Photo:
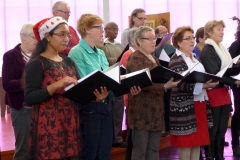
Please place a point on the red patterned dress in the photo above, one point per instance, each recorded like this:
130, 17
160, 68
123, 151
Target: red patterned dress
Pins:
55, 126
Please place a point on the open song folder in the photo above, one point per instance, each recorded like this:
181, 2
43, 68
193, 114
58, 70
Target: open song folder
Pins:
82, 93
141, 78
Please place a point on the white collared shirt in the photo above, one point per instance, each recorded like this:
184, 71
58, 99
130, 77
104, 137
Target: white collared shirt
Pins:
199, 93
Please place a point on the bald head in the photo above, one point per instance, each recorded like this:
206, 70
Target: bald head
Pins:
161, 31
111, 31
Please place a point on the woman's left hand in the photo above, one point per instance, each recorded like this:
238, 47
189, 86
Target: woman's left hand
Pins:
135, 90
171, 84
101, 96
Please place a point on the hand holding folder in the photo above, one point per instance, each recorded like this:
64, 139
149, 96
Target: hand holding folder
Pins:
83, 92
141, 78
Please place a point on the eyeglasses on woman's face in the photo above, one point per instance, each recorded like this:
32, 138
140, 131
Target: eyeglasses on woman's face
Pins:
99, 27
149, 39
189, 38
63, 35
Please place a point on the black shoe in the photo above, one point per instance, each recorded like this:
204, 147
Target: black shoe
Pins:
226, 143
164, 134
119, 144
236, 151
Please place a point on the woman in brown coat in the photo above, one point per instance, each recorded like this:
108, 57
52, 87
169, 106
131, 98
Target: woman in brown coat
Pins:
145, 114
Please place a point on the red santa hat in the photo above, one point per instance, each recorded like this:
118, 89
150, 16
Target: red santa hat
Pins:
46, 25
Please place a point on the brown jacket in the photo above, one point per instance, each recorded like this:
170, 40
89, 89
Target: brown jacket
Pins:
145, 110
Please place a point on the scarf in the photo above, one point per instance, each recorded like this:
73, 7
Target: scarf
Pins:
222, 52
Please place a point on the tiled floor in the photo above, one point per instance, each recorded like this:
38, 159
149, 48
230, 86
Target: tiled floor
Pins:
171, 153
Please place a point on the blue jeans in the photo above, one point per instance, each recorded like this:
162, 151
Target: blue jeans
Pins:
97, 134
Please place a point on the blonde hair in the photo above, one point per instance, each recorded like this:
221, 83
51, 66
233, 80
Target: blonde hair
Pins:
26, 29
86, 21
141, 32
210, 25
178, 35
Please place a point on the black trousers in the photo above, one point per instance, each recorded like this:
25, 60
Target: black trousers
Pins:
217, 132
235, 127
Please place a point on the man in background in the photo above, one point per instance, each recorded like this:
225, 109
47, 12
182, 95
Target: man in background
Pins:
62, 9
14, 62
160, 32
113, 50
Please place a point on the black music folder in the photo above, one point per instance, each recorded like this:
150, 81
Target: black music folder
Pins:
82, 93
199, 77
158, 41
232, 71
141, 78
122, 70
162, 74
125, 49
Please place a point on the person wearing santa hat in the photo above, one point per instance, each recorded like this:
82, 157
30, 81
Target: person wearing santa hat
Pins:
55, 126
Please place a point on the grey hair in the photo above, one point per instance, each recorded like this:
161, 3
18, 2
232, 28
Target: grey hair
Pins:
131, 35
56, 5
141, 32
27, 29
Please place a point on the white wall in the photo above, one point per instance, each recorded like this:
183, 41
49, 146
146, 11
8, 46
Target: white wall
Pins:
14, 13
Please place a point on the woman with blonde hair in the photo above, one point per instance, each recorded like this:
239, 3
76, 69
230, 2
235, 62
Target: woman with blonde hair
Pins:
215, 57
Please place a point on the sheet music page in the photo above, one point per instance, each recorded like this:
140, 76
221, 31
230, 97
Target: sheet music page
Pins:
123, 66
163, 56
221, 72
80, 80
113, 72
236, 59
237, 77
189, 70
138, 72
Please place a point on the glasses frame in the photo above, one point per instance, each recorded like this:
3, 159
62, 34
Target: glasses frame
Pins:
66, 12
149, 39
189, 38
99, 27
32, 37
63, 35
141, 18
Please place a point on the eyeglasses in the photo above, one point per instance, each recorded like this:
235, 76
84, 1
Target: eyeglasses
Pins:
63, 35
141, 18
113, 29
189, 38
99, 27
66, 12
32, 37
164, 33
150, 39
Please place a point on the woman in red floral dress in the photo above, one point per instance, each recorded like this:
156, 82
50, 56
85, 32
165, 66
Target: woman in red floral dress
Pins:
55, 126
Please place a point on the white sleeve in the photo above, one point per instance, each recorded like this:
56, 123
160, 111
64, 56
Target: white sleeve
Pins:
198, 88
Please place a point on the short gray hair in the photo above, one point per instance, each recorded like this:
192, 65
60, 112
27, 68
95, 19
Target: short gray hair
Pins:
56, 5
27, 29
131, 35
141, 32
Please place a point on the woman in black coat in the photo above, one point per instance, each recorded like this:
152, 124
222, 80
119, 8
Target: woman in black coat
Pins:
215, 57
234, 50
